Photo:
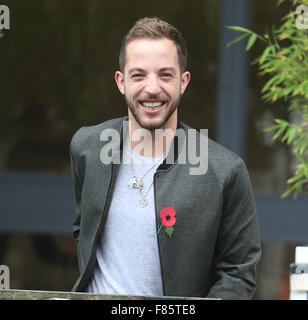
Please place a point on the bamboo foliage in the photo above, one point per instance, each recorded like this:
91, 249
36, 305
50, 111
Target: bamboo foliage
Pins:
284, 65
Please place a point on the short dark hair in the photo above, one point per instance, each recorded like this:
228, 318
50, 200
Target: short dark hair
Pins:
154, 28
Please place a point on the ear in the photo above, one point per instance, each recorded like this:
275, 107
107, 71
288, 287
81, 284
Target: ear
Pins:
185, 78
119, 79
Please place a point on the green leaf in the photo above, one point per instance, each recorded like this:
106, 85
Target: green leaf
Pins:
306, 89
274, 37
252, 39
283, 126
238, 39
280, 2
276, 79
272, 128
296, 188
299, 157
297, 90
300, 88
300, 143
265, 53
306, 171
287, 192
291, 134
282, 122
240, 29
303, 146
297, 177
169, 231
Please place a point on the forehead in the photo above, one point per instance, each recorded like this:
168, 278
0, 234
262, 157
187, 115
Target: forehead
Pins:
145, 53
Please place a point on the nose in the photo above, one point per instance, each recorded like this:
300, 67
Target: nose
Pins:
152, 85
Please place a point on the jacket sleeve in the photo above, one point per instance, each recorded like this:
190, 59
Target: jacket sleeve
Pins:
77, 186
238, 248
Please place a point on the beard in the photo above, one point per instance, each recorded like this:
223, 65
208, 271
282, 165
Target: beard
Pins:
152, 124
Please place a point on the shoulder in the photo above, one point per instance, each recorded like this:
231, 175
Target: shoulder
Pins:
222, 156
89, 136
220, 159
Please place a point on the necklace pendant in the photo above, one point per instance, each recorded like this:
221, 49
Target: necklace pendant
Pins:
143, 202
136, 182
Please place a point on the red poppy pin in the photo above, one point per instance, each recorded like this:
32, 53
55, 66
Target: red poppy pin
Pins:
168, 220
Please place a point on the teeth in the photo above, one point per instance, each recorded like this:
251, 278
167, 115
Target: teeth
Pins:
152, 105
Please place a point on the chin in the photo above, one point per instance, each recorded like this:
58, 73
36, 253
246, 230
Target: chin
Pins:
151, 125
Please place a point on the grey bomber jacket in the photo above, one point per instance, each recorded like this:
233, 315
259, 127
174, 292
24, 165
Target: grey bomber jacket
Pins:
215, 247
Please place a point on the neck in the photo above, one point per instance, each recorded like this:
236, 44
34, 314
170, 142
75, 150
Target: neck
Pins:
152, 143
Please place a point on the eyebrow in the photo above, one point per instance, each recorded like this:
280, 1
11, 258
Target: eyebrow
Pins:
170, 69
135, 70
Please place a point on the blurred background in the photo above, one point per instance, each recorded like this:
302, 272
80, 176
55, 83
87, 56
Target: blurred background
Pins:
57, 65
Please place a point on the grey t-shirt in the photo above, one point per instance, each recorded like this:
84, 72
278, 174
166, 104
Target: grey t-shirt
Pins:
127, 254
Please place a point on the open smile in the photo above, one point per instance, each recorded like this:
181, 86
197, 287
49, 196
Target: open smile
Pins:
152, 106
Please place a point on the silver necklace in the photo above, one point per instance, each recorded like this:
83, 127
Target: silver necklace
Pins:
138, 183
144, 201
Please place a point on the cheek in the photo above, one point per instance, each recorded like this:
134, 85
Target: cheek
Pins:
133, 90
172, 88
177, 90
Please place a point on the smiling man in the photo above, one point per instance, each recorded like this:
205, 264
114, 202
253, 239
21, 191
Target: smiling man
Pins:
152, 79
150, 227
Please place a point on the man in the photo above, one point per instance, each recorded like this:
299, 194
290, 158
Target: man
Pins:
150, 226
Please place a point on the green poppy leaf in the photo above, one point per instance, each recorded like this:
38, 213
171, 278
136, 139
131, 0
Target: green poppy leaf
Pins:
169, 231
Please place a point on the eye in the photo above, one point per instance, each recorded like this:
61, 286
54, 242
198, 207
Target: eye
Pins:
136, 75
166, 76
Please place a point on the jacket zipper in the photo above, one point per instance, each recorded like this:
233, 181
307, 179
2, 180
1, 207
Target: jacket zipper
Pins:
157, 225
